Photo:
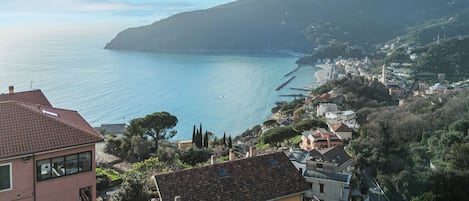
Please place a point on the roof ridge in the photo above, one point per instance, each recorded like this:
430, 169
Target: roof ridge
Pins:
21, 92
37, 92
53, 119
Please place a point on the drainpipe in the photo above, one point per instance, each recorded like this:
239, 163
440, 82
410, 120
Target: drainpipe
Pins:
34, 177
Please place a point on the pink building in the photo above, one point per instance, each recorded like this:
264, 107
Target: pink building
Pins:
46, 153
319, 139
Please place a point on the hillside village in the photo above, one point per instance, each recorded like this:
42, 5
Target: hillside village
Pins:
310, 161
390, 125
303, 152
319, 153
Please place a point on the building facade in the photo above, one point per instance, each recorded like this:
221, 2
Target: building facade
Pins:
327, 171
319, 139
46, 153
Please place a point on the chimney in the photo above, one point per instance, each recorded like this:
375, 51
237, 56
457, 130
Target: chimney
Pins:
231, 155
11, 89
213, 160
252, 151
177, 198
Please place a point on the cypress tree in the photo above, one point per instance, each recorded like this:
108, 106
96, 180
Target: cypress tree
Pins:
224, 139
206, 140
200, 129
198, 139
193, 135
230, 143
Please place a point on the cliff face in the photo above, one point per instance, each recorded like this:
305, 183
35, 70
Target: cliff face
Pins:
275, 25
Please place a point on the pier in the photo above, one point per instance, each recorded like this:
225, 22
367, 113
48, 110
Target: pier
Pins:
301, 89
293, 71
294, 95
285, 83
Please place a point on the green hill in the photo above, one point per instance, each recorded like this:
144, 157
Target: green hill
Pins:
278, 25
446, 27
450, 56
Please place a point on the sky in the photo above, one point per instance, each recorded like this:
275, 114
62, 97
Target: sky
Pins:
117, 13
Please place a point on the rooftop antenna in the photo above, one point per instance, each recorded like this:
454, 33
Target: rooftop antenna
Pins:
31, 85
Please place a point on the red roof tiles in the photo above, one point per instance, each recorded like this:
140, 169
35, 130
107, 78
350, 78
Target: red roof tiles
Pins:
26, 128
34, 97
263, 177
340, 127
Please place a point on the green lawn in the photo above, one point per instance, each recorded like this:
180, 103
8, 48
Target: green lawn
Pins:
111, 174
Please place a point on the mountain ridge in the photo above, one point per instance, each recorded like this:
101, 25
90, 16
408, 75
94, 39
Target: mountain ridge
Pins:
279, 25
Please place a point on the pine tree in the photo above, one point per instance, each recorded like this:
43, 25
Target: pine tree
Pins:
230, 143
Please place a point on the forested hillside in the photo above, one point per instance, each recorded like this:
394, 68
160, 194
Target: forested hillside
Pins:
277, 25
420, 147
449, 56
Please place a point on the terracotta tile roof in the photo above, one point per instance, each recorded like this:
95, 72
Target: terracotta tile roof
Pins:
262, 177
340, 127
34, 97
26, 128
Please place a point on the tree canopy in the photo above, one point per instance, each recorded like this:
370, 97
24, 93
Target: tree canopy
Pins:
279, 134
418, 147
156, 126
142, 136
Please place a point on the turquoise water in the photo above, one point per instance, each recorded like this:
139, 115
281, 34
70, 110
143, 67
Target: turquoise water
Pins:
226, 93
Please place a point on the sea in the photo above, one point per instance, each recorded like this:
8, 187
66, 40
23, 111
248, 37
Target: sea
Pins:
226, 93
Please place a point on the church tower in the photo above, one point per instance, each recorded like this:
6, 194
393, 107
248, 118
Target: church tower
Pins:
384, 80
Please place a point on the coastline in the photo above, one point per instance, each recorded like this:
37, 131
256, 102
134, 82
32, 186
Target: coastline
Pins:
323, 74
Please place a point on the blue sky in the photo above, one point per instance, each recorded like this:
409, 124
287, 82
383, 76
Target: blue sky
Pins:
95, 12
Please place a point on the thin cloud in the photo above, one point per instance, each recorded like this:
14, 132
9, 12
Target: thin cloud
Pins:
97, 5
62, 5
13, 11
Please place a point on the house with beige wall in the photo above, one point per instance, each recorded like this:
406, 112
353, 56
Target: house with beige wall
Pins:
341, 129
46, 153
328, 171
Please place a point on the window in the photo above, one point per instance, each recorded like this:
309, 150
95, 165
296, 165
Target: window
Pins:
5, 177
63, 165
71, 164
58, 167
84, 161
321, 188
43, 169
273, 162
222, 172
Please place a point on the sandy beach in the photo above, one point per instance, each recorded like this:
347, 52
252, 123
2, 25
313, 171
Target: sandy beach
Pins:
323, 74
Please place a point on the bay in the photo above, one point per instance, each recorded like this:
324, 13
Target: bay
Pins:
226, 93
